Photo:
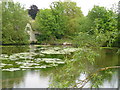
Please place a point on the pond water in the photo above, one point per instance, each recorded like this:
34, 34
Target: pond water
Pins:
38, 66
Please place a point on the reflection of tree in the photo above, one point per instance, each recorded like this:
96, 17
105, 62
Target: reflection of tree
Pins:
119, 79
9, 79
48, 71
83, 63
97, 78
66, 76
105, 63
101, 75
119, 72
108, 57
13, 49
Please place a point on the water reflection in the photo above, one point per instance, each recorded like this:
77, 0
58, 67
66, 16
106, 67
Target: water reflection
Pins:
9, 79
24, 79
119, 73
104, 78
14, 49
32, 48
64, 75
33, 79
112, 83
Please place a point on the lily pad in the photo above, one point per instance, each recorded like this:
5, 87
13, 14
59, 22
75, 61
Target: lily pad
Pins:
11, 69
58, 50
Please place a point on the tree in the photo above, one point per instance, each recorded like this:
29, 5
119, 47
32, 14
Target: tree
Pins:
14, 20
98, 28
33, 11
60, 29
107, 18
74, 13
72, 10
69, 13
60, 21
85, 24
117, 41
51, 22
45, 24
104, 24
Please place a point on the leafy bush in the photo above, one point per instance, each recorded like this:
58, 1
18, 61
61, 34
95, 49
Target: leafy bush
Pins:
14, 20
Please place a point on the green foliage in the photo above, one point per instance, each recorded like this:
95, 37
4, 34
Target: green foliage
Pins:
73, 13
100, 77
85, 63
85, 24
0, 23
104, 24
98, 28
14, 20
45, 24
85, 54
117, 40
97, 12
60, 21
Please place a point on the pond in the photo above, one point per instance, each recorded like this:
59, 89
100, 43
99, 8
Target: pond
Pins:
37, 66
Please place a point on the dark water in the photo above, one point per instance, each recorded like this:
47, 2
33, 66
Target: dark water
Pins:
61, 76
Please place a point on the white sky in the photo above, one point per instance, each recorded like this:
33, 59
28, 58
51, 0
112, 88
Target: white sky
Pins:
85, 5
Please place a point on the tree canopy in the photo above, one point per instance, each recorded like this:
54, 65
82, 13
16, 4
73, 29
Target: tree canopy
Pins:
99, 27
59, 21
14, 20
33, 11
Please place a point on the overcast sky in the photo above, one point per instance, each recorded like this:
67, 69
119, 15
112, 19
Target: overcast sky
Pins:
85, 5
